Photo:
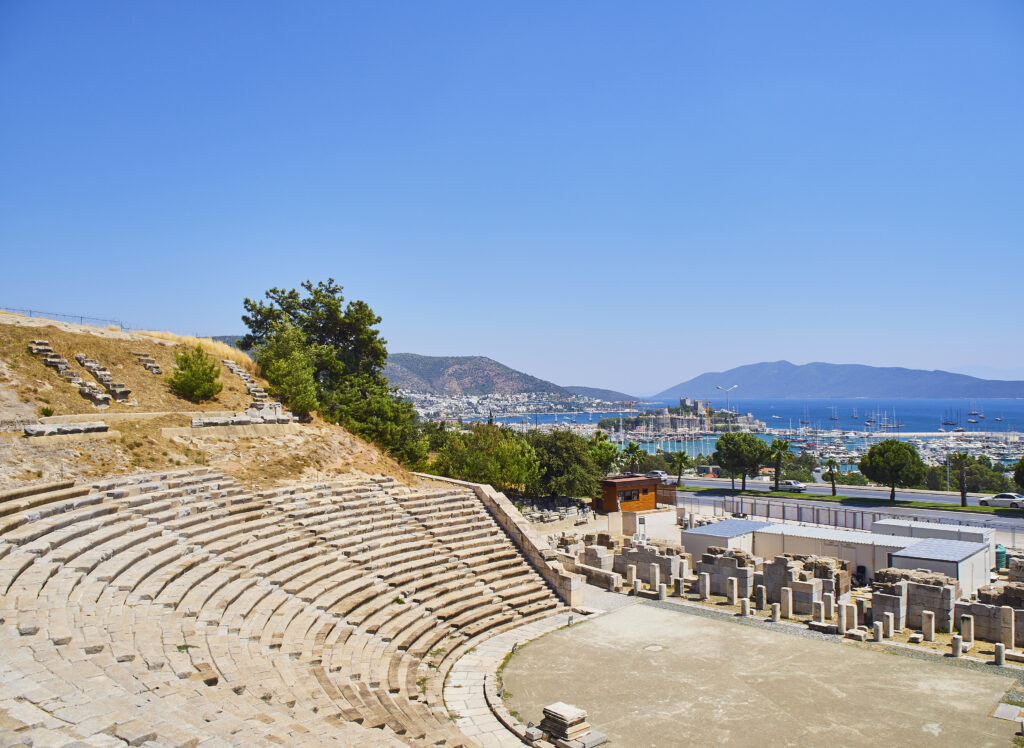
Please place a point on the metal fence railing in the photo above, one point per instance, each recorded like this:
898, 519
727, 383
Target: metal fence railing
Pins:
82, 319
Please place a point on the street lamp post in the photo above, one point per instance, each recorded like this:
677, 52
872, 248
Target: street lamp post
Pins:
727, 390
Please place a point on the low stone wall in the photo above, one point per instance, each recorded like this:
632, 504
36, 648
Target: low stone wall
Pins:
594, 575
988, 621
567, 586
669, 565
938, 599
722, 567
62, 429
882, 603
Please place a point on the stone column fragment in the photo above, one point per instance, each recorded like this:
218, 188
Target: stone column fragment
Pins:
928, 625
732, 592
786, 604
967, 629
828, 601
705, 586
1007, 629
776, 612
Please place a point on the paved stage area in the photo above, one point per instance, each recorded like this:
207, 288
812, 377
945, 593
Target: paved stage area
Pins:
655, 677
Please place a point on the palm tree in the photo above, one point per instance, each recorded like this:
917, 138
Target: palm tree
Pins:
680, 461
960, 460
633, 453
779, 448
832, 466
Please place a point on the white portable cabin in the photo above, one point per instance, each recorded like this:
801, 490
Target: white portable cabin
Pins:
859, 548
964, 561
968, 533
729, 533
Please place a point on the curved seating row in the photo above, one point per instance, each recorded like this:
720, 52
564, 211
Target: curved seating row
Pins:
182, 608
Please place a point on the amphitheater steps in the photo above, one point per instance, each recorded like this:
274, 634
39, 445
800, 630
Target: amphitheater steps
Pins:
304, 615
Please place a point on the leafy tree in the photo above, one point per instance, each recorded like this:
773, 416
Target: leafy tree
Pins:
851, 478
489, 454
832, 470
741, 453
960, 460
655, 461
566, 467
287, 364
680, 461
436, 434
347, 357
893, 463
779, 449
1018, 474
603, 452
982, 479
633, 453
373, 412
195, 376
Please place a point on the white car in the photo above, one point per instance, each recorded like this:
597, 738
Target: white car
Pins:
791, 485
1014, 500
659, 474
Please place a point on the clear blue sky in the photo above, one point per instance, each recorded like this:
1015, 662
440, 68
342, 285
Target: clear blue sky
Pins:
612, 194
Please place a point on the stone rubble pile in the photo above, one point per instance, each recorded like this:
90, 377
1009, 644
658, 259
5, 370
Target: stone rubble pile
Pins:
148, 362
55, 361
257, 412
256, 392
118, 390
59, 429
567, 725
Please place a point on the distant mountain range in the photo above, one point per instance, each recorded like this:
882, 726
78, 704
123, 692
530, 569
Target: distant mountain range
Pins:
479, 375
461, 375
475, 375
781, 379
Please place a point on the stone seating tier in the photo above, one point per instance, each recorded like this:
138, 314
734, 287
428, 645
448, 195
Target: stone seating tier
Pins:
181, 608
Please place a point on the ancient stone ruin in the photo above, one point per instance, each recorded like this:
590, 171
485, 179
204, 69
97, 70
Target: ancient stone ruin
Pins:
148, 362
55, 361
118, 390
256, 392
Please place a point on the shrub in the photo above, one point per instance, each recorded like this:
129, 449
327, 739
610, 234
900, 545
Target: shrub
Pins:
195, 376
47, 411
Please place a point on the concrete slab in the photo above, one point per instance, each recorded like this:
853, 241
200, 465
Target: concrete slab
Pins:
654, 677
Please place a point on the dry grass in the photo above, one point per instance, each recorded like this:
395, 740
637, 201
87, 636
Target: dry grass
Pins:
41, 387
317, 451
213, 347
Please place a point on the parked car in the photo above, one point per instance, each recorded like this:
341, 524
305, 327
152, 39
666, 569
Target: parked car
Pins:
791, 485
659, 474
1014, 500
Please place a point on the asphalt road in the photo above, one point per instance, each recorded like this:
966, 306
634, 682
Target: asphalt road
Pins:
825, 489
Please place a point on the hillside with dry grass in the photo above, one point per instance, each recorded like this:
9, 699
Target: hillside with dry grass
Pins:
141, 440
